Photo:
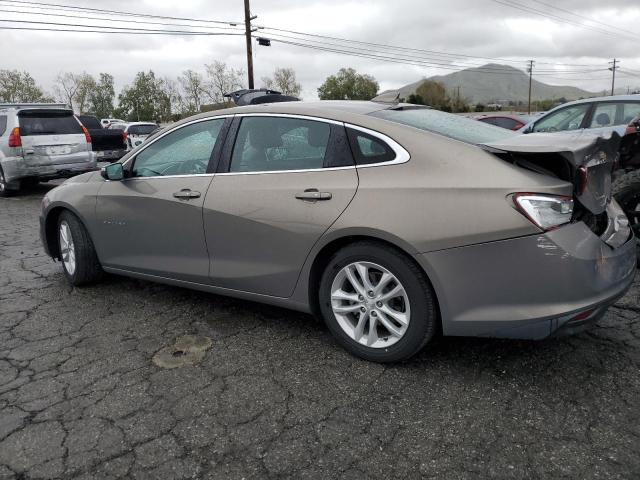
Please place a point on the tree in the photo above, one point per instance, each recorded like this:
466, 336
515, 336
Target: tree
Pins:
221, 80
66, 87
102, 96
193, 90
434, 94
145, 99
284, 81
177, 105
20, 87
86, 85
348, 85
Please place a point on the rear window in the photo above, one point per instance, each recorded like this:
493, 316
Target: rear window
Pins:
3, 124
447, 124
89, 121
142, 129
48, 123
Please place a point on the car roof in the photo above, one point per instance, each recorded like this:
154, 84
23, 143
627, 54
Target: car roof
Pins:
339, 110
139, 123
609, 98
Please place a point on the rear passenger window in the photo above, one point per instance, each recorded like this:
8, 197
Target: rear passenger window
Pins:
48, 123
604, 115
368, 149
275, 144
631, 110
3, 124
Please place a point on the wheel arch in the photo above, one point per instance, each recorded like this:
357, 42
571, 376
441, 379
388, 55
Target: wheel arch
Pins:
51, 226
337, 242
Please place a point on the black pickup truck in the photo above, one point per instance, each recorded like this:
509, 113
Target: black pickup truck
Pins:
108, 144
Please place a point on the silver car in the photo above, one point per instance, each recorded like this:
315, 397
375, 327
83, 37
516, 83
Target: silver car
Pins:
391, 222
41, 142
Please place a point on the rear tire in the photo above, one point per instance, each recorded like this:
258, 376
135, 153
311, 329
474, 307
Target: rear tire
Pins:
388, 318
4, 187
79, 260
626, 190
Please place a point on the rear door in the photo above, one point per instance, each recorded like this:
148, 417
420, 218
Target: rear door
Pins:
281, 184
52, 137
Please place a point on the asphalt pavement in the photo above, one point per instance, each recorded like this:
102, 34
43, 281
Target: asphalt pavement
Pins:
271, 395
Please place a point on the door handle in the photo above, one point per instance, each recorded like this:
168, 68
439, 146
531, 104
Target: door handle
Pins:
28, 151
186, 193
312, 194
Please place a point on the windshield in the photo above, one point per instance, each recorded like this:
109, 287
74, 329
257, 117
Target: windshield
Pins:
447, 124
142, 129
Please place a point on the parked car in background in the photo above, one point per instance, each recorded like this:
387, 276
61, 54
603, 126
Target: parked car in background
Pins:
391, 221
108, 144
40, 142
108, 121
136, 132
504, 120
602, 116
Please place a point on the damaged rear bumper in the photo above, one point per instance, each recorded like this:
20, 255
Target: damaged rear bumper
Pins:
530, 287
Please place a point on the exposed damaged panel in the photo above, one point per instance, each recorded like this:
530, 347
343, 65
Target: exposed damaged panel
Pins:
584, 159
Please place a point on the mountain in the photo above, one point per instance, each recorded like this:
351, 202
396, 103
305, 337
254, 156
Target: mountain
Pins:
502, 84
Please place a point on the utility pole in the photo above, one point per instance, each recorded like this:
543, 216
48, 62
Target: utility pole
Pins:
247, 32
530, 70
614, 66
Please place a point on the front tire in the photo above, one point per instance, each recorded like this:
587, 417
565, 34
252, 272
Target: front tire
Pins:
626, 190
377, 302
77, 253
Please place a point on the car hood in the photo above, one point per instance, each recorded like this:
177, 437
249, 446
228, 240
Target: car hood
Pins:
593, 157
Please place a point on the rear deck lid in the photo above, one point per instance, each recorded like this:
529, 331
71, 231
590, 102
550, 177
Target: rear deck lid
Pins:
592, 158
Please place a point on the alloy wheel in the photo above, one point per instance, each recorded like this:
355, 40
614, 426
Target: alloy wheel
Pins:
67, 248
370, 304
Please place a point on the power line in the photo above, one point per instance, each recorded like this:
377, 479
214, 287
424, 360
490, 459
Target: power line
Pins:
389, 59
585, 17
106, 27
426, 58
525, 8
85, 17
131, 32
26, 4
119, 12
403, 48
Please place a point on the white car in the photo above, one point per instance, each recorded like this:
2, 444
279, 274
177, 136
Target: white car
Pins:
105, 122
136, 132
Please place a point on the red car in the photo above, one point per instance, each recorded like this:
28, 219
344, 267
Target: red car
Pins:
504, 120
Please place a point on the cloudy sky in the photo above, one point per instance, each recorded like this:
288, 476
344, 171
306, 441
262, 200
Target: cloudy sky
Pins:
569, 49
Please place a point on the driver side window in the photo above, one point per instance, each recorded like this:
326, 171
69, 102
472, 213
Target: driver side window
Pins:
569, 118
185, 151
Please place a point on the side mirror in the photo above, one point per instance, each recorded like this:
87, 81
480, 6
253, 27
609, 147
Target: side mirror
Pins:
112, 172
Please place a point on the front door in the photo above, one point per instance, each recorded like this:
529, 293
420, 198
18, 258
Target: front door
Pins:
151, 222
286, 181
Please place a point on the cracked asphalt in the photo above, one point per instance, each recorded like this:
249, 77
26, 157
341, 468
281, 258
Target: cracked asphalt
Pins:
275, 397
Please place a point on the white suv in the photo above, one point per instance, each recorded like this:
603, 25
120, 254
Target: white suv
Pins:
41, 142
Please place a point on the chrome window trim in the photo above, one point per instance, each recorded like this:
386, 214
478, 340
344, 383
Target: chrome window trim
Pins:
402, 155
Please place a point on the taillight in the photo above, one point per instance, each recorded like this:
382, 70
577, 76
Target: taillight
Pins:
631, 129
545, 211
86, 134
14, 138
125, 135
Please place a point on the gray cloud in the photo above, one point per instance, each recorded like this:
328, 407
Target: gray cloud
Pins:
472, 27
